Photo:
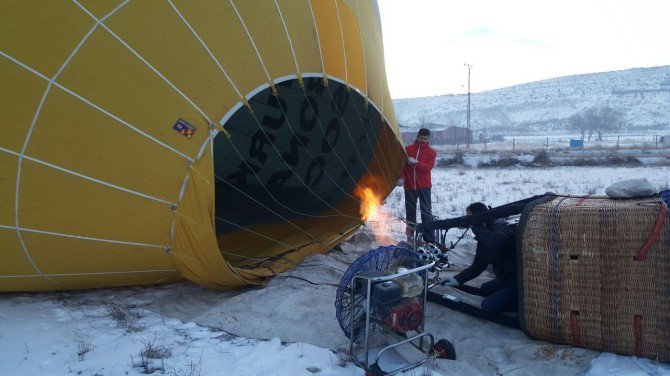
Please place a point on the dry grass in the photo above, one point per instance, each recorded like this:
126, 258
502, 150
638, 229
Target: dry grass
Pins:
152, 358
546, 352
126, 316
152, 350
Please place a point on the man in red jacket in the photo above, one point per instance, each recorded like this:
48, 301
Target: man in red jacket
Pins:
420, 161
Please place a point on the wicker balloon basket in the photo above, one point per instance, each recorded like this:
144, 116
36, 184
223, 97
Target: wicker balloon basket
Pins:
596, 274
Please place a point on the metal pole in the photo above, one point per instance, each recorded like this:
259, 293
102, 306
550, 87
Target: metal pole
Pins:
469, 135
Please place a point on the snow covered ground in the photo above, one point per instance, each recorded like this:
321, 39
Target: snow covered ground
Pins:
140, 330
61, 334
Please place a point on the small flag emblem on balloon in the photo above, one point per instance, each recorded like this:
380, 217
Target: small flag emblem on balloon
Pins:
184, 128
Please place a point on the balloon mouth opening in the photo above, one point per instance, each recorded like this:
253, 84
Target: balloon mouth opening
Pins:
295, 155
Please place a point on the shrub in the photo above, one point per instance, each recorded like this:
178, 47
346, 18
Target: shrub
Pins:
618, 160
541, 158
456, 159
503, 162
610, 160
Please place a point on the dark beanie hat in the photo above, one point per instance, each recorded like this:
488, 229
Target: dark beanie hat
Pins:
477, 207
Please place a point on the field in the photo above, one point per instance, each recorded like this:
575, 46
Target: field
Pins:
561, 141
456, 187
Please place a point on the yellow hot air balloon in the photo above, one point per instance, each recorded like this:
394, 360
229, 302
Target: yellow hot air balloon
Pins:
220, 141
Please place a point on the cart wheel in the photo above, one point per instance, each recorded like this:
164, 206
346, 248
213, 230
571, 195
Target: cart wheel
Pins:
444, 350
375, 370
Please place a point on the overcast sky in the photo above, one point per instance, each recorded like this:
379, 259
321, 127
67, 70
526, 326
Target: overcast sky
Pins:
427, 42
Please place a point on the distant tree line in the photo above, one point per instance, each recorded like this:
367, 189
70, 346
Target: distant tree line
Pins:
597, 121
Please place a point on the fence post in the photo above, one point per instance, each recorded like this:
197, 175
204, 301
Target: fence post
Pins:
617, 141
547, 142
513, 144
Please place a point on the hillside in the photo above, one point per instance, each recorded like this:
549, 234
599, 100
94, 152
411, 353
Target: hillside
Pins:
642, 94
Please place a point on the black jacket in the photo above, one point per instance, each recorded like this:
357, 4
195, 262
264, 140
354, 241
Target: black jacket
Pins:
496, 245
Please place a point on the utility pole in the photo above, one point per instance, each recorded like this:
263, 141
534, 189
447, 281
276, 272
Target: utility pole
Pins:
469, 135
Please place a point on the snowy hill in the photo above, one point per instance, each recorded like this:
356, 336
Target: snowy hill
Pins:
642, 94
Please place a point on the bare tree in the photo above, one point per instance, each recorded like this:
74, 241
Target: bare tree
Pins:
591, 118
578, 122
609, 120
596, 120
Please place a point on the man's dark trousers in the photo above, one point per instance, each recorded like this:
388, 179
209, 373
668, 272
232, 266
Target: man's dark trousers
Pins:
498, 297
423, 195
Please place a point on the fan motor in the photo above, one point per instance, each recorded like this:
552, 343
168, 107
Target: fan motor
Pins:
405, 317
398, 313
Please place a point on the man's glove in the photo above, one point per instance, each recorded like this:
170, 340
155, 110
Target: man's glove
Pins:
449, 282
400, 182
411, 160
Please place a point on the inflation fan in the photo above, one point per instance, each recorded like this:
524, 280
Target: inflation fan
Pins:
383, 295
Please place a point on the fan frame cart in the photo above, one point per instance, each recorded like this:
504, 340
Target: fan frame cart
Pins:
366, 281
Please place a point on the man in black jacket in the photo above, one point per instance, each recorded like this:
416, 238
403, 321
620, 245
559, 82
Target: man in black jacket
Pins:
496, 246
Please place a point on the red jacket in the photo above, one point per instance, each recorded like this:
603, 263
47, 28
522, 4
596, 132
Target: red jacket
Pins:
417, 175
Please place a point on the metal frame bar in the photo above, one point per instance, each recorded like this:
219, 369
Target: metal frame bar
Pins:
365, 363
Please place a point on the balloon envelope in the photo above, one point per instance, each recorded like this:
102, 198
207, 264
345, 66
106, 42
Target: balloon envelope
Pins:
220, 141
